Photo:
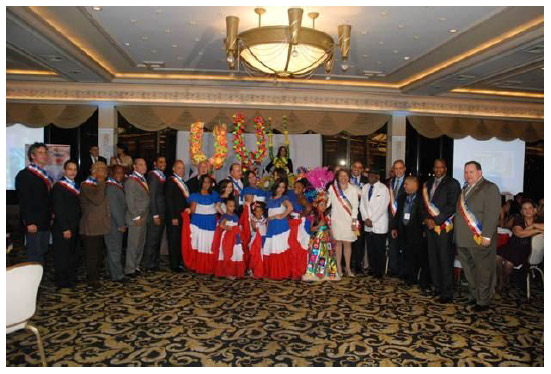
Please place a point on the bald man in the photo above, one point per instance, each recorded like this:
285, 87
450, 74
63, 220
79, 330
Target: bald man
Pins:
137, 202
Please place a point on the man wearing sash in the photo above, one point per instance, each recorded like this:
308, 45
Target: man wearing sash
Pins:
137, 202
156, 220
396, 189
235, 177
476, 220
66, 208
114, 190
440, 195
176, 195
358, 247
33, 185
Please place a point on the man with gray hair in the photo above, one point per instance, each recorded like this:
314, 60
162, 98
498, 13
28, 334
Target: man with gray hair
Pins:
137, 202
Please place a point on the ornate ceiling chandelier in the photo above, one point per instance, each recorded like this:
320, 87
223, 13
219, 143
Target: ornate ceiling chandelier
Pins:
289, 51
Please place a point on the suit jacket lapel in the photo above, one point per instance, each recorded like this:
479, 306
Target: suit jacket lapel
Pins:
475, 188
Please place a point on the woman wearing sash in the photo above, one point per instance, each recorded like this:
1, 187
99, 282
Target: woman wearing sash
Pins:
275, 251
343, 198
197, 236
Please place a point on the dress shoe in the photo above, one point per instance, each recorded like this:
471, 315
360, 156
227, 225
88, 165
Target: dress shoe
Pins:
445, 300
138, 271
481, 308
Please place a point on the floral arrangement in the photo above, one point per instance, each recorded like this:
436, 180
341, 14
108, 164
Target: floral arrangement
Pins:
196, 144
248, 158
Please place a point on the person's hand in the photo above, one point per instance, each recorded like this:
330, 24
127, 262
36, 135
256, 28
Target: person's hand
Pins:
187, 211
67, 234
139, 222
32, 229
175, 222
394, 234
486, 242
368, 222
430, 224
122, 229
157, 221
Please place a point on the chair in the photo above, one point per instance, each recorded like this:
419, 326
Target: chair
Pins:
22, 281
535, 259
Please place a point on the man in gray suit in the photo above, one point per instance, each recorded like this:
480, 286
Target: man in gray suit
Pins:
156, 218
114, 191
137, 202
476, 221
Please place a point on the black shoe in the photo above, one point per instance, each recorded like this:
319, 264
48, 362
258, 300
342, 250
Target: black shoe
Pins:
122, 281
481, 308
445, 300
131, 275
139, 271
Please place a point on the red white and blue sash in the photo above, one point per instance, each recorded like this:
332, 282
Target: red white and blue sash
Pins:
239, 190
393, 202
433, 211
343, 200
113, 182
139, 179
42, 174
69, 185
159, 174
470, 219
181, 185
90, 181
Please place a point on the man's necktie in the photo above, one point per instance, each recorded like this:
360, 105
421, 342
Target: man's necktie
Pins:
370, 193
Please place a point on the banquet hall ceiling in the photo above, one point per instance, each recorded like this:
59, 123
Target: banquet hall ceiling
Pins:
499, 48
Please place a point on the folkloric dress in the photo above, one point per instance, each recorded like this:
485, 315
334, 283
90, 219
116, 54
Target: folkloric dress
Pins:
228, 249
276, 252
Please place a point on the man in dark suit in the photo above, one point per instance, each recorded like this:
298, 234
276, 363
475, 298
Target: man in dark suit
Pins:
476, 221
407, 230
396, 189
176, 196
156, 225
66, 208
235, 177
33, 185
358, 247
193, 182
114, 191
440, 195
87, 162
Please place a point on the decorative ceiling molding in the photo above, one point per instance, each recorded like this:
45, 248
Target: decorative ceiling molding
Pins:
272, 97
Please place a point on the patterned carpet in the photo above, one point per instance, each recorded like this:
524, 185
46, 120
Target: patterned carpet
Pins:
166, 319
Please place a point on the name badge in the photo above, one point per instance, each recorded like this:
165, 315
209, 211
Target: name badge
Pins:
406, 216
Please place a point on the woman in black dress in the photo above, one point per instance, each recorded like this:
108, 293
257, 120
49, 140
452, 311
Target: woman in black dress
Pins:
517, 250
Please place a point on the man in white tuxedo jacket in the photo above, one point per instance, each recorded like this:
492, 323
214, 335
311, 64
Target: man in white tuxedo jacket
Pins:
374, 210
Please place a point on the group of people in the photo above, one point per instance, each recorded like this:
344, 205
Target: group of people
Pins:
234, 227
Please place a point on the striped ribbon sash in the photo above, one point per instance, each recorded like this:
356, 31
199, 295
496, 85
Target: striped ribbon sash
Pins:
433, 210
159, 174
90, 181
181, 185
342, 199
69, 185
42, 174
140, 180
470, 219
393, 202
113, 182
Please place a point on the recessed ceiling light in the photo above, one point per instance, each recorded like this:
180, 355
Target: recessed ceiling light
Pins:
379, 62
127, 44
364, 56
384, 14
197, 39
96, 8
453, 30
145, 37
443, 19
364, 32
406, 58
192, 23
181, 58
167, 31
174, 45
401, 27
415, 37
133, 21
381, 42
153, 51
158, 11
200, 53
395, 51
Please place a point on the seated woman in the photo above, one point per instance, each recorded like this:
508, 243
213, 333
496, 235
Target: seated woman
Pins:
282, 160
198, 235
505, 216
516, 252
